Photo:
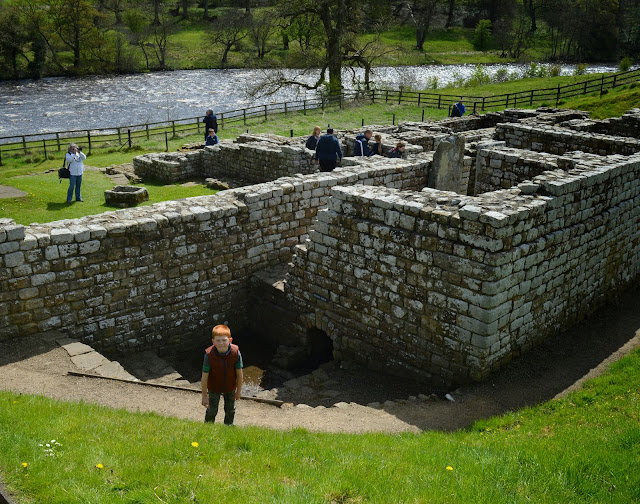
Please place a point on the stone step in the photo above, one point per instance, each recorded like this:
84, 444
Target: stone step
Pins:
148, 367
86, 359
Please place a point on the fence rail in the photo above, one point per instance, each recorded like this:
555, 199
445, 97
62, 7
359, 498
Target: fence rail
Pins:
126, 135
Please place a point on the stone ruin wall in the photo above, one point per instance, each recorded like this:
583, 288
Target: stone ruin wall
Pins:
160, 275
444, 288
416, 281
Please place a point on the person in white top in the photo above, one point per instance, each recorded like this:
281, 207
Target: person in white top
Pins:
75, 158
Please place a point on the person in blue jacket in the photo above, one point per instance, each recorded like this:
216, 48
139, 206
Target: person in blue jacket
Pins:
361, 147
458, 109
212, 138
328, 151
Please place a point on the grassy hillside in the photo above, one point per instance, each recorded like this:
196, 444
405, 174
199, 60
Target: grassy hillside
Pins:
584, 448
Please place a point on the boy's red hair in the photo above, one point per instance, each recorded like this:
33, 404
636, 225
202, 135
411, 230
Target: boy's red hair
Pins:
221, 330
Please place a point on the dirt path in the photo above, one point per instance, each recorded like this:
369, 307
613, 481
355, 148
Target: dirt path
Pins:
7, 192
37, 365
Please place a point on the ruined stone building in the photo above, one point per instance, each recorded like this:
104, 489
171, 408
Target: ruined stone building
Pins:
493, 233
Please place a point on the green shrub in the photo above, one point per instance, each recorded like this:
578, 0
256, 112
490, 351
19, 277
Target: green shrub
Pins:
555, 71
479, 76
432, 82
535, 70
502, 75
580, 69
625, 64
482, 36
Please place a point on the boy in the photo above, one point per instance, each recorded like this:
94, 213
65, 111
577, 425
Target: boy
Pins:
221, 375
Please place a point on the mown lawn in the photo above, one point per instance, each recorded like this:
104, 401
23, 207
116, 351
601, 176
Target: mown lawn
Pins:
585, 448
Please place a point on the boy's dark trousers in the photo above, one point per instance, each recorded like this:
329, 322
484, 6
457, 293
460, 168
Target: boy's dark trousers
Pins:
229, 407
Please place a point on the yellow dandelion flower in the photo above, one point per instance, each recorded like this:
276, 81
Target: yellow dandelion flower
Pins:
449, 468
195, 444
25, 465
99, 466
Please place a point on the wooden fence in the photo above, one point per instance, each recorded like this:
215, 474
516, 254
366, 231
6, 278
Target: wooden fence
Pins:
126, 135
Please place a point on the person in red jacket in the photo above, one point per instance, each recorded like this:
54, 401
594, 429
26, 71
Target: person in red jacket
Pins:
221, 375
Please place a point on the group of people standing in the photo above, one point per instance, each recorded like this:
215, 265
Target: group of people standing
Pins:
328, 150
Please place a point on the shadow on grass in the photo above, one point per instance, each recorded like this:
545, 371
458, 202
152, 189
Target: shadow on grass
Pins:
54, 206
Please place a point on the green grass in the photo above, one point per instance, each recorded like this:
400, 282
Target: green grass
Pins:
585, 448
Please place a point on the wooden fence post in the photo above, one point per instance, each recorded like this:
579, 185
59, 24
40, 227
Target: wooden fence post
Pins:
129, 137
198, 124
244, 116
585, 88
531, 98
147, 128
558, 96
615, 77
394, 119
221, 120
44, 146
601, 85
506, 105
419, 98
166, 141
265, 113
386, 97
400, 97
422, 115
173, 128
515, 101
304, 107
89, 140
373, 96
474, 107
483, 99
24, 145
291, 133
119, 136
439, 100
0, 156
285, 108
58, 140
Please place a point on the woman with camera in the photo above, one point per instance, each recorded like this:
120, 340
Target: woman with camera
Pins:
75, 158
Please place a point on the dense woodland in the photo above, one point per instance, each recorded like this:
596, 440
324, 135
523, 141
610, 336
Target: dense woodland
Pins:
78, 37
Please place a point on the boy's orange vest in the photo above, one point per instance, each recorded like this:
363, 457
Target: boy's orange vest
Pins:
222, 376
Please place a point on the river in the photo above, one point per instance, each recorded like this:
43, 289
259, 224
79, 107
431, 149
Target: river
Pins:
66, 103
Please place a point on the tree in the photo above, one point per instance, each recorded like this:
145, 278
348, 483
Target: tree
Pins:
261, 27
229, 29
482, 35
450, 10
421, 13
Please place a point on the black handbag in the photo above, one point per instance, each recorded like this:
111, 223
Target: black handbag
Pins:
63, 172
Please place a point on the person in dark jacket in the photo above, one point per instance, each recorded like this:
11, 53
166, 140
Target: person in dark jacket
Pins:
377, 148
328, 151
210, 122
397, 151
361, 147
312, 141
458, 109
212, 138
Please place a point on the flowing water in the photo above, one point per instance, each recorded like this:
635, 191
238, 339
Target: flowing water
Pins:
65, 103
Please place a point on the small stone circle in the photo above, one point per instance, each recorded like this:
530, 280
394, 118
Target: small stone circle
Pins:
125, 196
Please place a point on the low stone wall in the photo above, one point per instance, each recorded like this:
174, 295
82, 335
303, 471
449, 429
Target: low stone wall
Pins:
444, 288
256, 162
161, 275
169, 166
556, 140
626, 126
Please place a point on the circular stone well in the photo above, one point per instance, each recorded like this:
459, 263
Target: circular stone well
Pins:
125, 196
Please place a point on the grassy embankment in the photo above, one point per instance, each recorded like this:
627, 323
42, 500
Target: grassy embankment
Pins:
585, 448
45, 199
188, 48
